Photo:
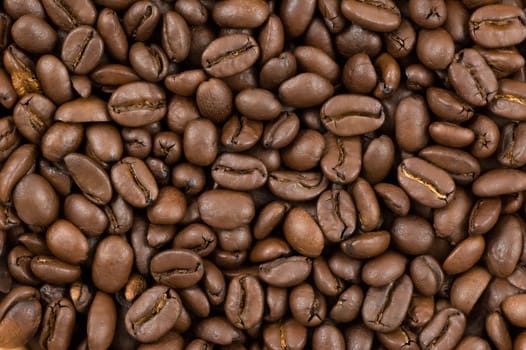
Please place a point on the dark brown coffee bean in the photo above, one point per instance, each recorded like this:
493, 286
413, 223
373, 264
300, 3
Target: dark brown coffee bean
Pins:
428, 14
400, 42
358, 74
450, 322
137, 104
439, 54
303, 233
91, 178
336, 215
465, 168
509, 102
112, 264
367, 206
289, 334
175, 36
81, 110
20, 163
244, 303
366, 245
349, 115
226, 209
150, 62
305, 90
112, 32
200, 142
20, 316
484, 215
296, 17
33, 116
427, 275
102, 321
186, 82
296, 186
389, 76
141, 19
239, 172
472, 78
305, 152
230, 55
35, 201
497, 26
51, 270
341, 161
378, 158
394, 198
19, 265
425, 182
217, 330
28, 27
385, 308
67, 242
177, 268
411, 123
468, 288
196, 237
153, 314
418, 77
487, 136
277, 70
240, 13
58, 325
509, 181
383, 269
133, 180
381, 16
81, 59
503, 246
285, 272
448, 106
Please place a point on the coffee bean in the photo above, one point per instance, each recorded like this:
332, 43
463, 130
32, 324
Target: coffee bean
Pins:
102, 320
133, 180
58, 325
497, 26
449, 321
382, 16
226, 209
239, 172
230, 55
20, 315
244, 303
177, 268
153, 314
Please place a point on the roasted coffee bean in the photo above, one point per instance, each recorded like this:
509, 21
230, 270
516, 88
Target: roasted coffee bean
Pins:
366, 245
20, 316
305, 90
81, 110
510, 181
385, 308
426, 183
102, 320
67, 242
497, 26
175, 36
349, 115
472, 78
112, 264
51, 270
239, 172
427, 275
230, 55
141, 19
381, 16
153, 314
35, 201
84, 214
177, 268
90, 177
58, 325
449, 322
509, 100
244, 303
137, 104
133, 180
295, 185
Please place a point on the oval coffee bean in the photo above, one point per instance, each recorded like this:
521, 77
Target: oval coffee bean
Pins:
112, 264
102, 321
305, 90
303, 233
58, 325
137, 104
498, 182
90, 177
296, 186
285, 272
153, 314
67, 242
244, 303
444, 330
239, 172
82, 49
133, 180
384, 308
349, 114
226, 209
497, 26
230, 55
35, 201
378, 16
341, 161
426, 183
177, 268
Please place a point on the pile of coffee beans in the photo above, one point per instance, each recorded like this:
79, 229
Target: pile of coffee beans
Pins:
252, 174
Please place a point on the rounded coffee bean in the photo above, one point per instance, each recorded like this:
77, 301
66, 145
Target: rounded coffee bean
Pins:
29, 27
468, 288
305, 90
426, 183
257, 104
285, 272
230, 55
82, 58
58, 325
35, 201
20, 316
305, 152
67, 242
133, 180
349, 115
497, 26
226, 209
137, 104
90, 177
427, 275
445, 329
102, 321
498, 182
381, 16
112, 264
244, 303
307, 305
383, 269
177, 268
435, 48
51, 270
366, 245
239, 172
153, 314
384, 308
286, 334
141, 19
200, 142
303, 233
504, 246
465, 255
